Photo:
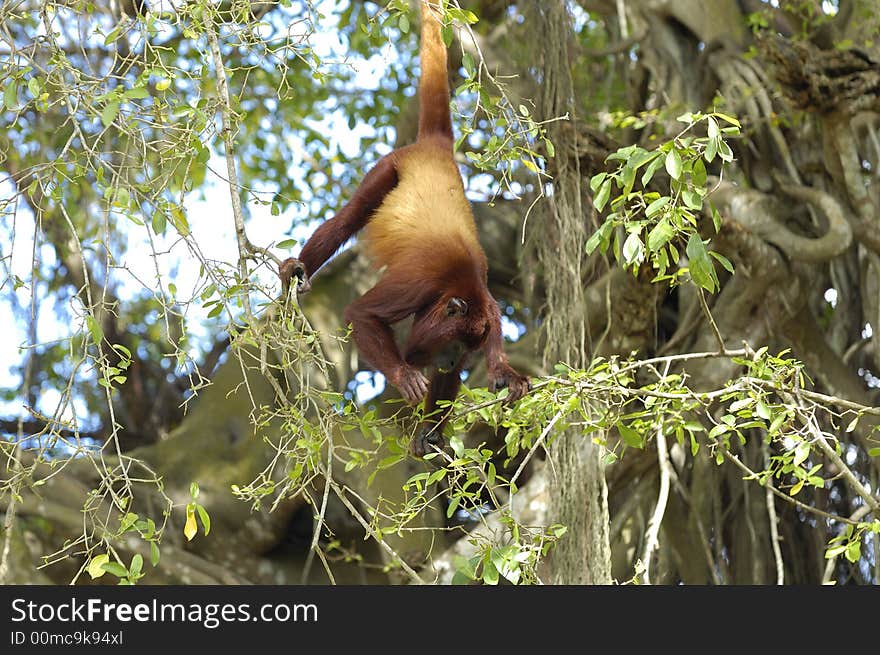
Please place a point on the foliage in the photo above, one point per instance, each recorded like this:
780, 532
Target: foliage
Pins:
656, 225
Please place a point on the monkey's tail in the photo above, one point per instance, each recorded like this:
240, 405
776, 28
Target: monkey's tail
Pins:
434, 115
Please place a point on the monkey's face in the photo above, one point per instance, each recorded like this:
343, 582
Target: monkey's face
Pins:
444, 335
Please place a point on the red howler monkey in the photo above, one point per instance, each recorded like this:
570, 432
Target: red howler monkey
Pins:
418, 224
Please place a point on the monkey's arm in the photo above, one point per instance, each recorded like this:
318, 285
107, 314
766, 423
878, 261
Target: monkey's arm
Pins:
371, 316
500, 373
327, 239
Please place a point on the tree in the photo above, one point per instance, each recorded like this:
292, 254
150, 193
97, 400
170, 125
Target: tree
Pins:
679, 205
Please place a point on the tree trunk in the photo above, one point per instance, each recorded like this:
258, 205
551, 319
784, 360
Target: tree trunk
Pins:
579, 494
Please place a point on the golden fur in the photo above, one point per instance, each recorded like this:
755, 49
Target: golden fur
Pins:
427, 211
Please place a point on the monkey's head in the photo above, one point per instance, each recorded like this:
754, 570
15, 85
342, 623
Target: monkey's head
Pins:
445, 333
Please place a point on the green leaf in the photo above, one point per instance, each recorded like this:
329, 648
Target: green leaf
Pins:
724, 151
601, 198
154, 553
96, 567
656, 206
163, 84
33, 86
446, 34
712, 129
692, 199
729, 119
711, 150
390, 461
206, 520
660, 235
403, 24
137, 563
854, 551
698, 173
115, 568
874, 452
598, 237
160, 222
673, 164
94, 329
137, 92
127, 521
716, 217
834, 552
113, 35
490, 573
762, 410
700, 265
640, 157
628, 176
630, 437
724, 261
651, 169
108, 114
468, 62
10, 95
776, 424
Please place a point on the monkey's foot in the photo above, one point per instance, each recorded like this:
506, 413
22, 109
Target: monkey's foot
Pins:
289, 268
425, 441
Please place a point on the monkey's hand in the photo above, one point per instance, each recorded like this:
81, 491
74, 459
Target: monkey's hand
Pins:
289, 268
504, 376
411, 383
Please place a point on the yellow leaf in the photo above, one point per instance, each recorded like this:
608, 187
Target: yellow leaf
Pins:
530, 165
95, 568
190, 529
163, 84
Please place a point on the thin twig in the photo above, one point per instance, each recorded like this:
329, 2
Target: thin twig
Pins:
722, 349
652, 541
340, 493
794, 501
830, 453
771, 516
319, 519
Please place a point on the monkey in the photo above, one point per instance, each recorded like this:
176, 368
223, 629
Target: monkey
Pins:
416, 224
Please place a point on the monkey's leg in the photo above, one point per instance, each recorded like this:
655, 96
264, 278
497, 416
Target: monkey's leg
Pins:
396, 296
444, 386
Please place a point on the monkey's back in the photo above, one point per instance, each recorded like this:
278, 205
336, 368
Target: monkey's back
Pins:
426, 217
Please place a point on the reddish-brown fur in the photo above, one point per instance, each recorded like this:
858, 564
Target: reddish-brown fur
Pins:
418, 225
